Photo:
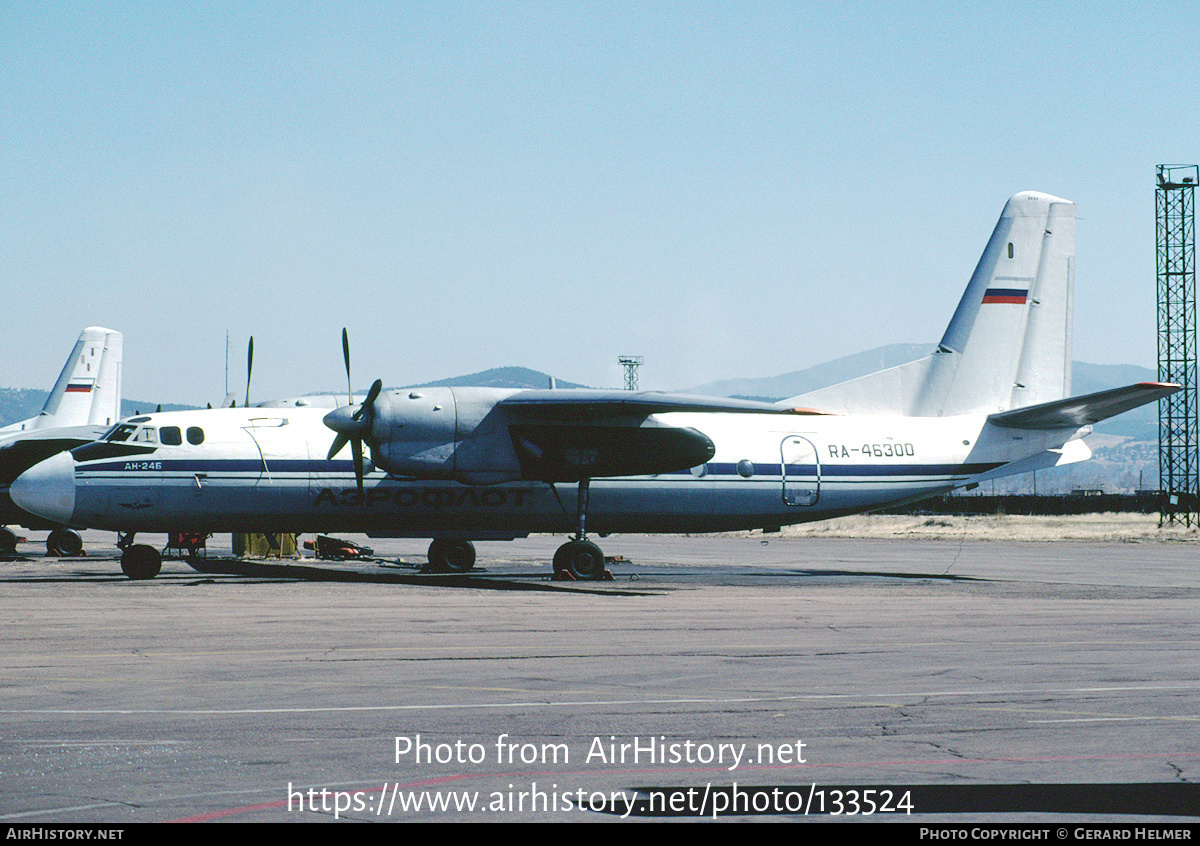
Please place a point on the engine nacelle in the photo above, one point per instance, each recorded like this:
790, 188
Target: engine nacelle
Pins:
414, 433
443, 433
467, 434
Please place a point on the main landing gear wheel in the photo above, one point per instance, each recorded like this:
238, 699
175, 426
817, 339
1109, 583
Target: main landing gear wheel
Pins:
140, 561
582, 559
456, 556
8, 541
64, 542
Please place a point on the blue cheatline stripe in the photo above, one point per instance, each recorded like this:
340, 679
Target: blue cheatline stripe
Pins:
224, 465
185, 466
773, 470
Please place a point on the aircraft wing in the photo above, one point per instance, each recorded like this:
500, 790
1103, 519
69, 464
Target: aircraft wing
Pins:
593, 404
574, 434
20, 453
1075, 412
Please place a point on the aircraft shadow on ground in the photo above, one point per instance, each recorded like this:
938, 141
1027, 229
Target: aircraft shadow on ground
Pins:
885, 574
479, 580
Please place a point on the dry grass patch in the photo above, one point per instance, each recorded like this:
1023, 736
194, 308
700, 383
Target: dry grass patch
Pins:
1007, 527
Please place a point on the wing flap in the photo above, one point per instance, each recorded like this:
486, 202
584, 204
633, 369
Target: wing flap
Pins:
557, 453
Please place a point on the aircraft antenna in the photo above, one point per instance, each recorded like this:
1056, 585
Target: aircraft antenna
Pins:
1178, 459
631, 363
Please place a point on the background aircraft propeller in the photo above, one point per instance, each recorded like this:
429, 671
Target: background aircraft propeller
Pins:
249, 367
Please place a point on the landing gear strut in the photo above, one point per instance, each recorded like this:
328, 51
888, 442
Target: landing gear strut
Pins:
579, 558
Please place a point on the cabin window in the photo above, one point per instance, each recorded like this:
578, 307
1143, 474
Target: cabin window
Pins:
170, 435
1010, 249
195, 435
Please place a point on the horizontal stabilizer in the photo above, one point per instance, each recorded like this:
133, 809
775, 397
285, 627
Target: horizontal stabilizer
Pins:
1074, 412
20, 454
1069, 453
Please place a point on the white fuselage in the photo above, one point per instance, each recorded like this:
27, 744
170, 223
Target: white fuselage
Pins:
266, 470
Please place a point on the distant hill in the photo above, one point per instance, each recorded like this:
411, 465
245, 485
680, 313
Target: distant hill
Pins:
132, 407
818, 376
502, 377
17, 404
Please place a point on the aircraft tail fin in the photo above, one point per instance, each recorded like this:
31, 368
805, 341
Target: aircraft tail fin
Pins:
1008, 344
88, 391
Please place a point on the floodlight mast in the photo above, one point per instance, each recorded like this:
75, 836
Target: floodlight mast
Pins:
1178, 455
631, 363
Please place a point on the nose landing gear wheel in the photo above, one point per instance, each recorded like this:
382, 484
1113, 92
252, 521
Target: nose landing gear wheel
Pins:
64, 542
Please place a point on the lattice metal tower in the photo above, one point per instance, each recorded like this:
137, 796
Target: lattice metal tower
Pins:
1178, 463
631, 363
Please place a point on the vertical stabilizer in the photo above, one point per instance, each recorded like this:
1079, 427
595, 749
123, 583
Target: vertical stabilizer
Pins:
1009, 342
88, 391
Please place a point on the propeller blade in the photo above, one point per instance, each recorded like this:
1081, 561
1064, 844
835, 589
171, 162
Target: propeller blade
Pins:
338, 442
356, 446
369, 402
346, 356
249, 367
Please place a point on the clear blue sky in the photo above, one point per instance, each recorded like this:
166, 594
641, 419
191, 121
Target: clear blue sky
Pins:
729, 189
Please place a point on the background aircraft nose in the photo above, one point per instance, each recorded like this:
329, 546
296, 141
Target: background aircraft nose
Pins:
47, 489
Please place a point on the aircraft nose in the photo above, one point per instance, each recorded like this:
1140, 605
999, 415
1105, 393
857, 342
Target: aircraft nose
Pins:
47, 489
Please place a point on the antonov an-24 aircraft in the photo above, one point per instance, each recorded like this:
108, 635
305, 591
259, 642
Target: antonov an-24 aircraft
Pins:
463, 464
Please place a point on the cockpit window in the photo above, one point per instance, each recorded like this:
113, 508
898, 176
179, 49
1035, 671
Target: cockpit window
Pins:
195, 435
120, 432
146, 435
170, 436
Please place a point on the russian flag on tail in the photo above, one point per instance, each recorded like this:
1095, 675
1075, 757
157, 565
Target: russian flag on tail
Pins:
1006, 295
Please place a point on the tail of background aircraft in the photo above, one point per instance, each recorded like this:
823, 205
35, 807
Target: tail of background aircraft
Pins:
1009, 342
88, 391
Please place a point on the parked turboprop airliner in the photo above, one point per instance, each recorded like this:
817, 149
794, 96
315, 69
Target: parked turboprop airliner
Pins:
83, 404
463, 464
